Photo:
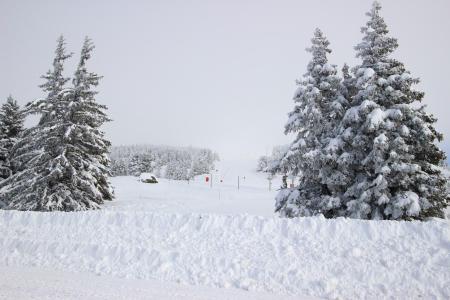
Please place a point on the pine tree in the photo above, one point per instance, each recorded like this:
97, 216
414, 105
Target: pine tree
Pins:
134, 168
119, 168
54, 83
203, 162
86, 117
389, 145
348, 87
11, 126
35, 185
147, 162
68, 166
319, 104
30, 146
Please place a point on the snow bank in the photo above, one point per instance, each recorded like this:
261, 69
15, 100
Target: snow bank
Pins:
36, 283
342, 258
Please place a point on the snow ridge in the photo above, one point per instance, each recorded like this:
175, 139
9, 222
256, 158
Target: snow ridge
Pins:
338, 258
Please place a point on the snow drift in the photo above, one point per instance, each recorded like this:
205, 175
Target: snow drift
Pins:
339, 258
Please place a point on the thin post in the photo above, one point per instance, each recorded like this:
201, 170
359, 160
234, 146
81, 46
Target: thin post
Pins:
269, 178
238, 182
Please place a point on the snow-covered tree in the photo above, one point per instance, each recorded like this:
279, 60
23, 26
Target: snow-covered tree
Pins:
389, 145
147, 162
178, 170
203, 162
28, 146
189, 161
119, 167
90, 148
319, 105
55, 82
263, 163
62, 161
273, 162
135, 166
348, 86
11, 126
27, 189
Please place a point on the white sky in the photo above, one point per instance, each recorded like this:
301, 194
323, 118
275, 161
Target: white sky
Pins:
219, 74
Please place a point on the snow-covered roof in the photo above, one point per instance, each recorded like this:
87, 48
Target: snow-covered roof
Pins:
147, 176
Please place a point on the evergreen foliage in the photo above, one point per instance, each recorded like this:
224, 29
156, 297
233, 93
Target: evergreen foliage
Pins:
166, 162
318, 106
11, 127
375, 155
62, 162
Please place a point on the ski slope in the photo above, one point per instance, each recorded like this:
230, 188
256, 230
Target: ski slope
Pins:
215, 243
198, 196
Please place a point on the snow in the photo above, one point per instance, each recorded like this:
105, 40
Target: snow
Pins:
197, 196
411, 201
41, 283
368, 73
381, 139
147, 176
352, 115
334, 144
375, 118
328, 68
177, 239
364, 75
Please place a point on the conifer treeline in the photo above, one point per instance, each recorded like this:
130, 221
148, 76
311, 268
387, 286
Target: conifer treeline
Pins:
179, 163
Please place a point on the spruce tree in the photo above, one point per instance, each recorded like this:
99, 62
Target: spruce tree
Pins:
88, 147
30, 145
348, 87
11, 127
135, 165
63, 161
389, 144
318, 104
147, 162
55, 82
36, 184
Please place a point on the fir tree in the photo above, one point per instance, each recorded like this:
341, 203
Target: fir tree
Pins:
348, 87
135, 166
63, 161
389, 145
35, 185
319, 104
54, 83
88, 146
147, 163
133, 160
11, 127
28, 146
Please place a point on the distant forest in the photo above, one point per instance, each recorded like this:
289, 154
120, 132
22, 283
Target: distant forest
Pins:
180, 163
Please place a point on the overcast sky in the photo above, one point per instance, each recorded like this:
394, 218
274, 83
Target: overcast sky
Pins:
219, 74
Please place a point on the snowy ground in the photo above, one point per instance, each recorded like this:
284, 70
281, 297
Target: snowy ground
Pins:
171, 196
174, 240
21, 283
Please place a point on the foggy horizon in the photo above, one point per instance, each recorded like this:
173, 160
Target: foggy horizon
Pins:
211, 74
